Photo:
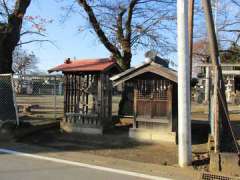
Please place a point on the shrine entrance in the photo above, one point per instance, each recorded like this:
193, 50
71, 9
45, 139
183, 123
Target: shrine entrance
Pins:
87, 94
154, 101
152, 98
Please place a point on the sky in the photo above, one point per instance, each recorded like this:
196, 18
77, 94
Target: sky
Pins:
70, 43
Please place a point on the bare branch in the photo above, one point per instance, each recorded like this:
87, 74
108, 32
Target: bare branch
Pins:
35, 41
32, 32
235, 2
129, 19
98, 29
5, 7
120, 35
131, 25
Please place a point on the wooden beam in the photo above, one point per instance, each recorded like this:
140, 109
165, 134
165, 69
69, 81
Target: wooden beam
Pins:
218, 77
110, 87
99, 97
135, 107
169, 109
87, 94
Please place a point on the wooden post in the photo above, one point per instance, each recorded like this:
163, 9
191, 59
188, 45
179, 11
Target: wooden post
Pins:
75, 98
87, 94
99, 98
215, 61
65, 94
169, 94
83, 94
94, 79
55, 99
72, 92
135, 108
80, 99
79, 92
110, 87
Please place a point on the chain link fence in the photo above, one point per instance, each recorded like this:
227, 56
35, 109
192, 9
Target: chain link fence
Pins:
39, 98
7, 99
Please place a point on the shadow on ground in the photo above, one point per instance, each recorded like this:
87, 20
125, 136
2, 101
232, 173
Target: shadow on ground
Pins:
116, 143
231, 138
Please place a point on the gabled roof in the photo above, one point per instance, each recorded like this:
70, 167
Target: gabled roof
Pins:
147, 67
86, 65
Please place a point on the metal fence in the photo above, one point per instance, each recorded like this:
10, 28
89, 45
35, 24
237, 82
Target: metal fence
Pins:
7, 99
39, 98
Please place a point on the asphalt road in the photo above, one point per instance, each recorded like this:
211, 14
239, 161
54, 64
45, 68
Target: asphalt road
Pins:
14, 167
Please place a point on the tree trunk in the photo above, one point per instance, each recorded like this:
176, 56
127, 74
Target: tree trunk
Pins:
5, 58
7, 108
125, 61
10, 32
8, 118
125, 64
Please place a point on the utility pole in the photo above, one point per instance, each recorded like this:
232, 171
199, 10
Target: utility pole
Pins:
215, 16
213, 46
208, 98
184, 105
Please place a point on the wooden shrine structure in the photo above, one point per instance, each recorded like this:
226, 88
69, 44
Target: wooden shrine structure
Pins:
87, 94
154, 101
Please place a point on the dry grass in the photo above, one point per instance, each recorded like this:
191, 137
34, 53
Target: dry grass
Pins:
45, 109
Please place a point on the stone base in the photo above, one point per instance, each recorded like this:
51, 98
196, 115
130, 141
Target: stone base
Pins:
68, 127
156, 136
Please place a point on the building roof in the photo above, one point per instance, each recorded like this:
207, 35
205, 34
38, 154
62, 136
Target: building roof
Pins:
144, 68
86, 65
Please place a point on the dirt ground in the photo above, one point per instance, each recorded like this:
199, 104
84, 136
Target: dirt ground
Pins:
115, 142
200, 112
112, 144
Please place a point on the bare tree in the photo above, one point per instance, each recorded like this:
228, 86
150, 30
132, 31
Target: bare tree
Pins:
229, 23
12, 28
125, 26
10, 31
200, 55
15, 25
228, 34
231, 55
200, 50
24, 62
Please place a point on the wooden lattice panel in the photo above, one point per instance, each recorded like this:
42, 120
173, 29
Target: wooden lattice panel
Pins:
152, 89
152, 98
